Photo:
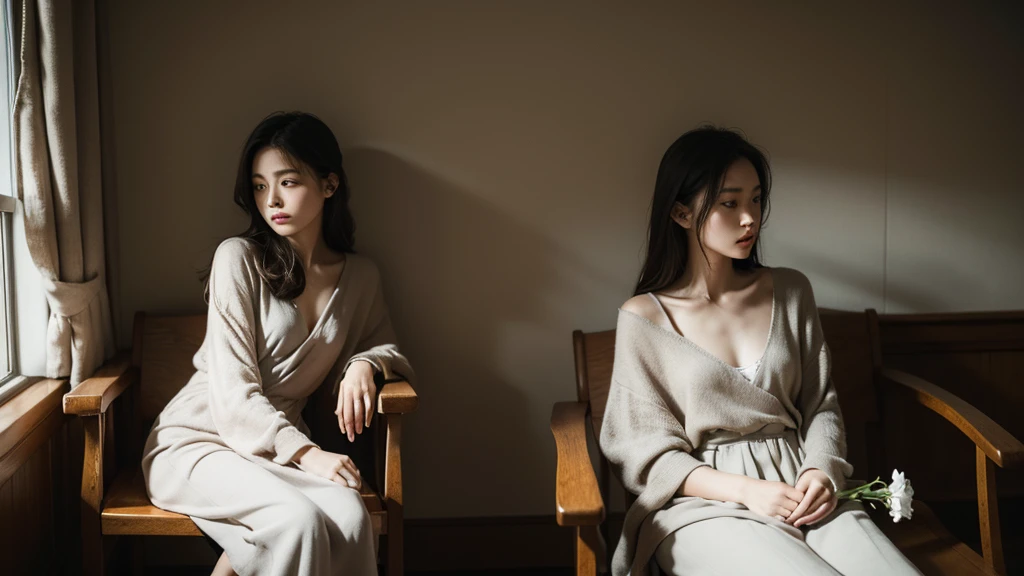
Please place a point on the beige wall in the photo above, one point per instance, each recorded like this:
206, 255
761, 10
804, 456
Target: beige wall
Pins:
503, 154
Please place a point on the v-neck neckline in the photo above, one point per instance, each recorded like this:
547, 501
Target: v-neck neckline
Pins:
327, 307
734, 369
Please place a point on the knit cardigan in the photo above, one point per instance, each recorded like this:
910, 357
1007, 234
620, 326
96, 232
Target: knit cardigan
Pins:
668, 395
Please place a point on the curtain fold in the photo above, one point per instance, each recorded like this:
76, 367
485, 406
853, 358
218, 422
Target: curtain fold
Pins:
58, 179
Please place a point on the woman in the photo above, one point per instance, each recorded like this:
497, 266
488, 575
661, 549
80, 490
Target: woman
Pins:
722, 417
290, 306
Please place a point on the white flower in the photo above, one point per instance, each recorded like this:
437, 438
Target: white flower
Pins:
901, 496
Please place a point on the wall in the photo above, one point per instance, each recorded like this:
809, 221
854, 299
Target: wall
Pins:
503, 154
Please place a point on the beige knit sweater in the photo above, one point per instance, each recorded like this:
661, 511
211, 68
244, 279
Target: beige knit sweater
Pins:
258, 363
668, 396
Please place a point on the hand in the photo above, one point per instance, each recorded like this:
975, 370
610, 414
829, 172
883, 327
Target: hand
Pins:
335, 467
774, 499
819, 500
355, 399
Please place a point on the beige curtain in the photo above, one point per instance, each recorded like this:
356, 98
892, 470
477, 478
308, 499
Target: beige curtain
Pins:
57, 140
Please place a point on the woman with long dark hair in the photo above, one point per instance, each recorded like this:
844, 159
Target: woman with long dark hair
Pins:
290, 307
722, 417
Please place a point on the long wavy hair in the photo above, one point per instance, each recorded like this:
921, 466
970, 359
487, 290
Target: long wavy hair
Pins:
309, 143
692, 170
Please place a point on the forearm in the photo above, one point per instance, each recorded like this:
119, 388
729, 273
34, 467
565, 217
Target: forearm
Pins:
706, 482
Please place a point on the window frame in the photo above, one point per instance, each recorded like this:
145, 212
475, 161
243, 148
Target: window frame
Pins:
13, 382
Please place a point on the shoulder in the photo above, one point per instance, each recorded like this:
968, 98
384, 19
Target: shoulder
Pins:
644, 306
792, 282
795, 293
362, 268
234, 265
234, 251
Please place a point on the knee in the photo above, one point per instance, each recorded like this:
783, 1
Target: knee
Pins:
301, 520
351, 516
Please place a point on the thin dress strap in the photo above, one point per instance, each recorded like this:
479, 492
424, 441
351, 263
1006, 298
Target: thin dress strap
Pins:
664, 312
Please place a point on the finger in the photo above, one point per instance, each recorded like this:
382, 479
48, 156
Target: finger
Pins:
794, 494
351, 466
357, 413
812, 509
350, 428
805, 504
341, 416
819, 513
345, 477
368, 402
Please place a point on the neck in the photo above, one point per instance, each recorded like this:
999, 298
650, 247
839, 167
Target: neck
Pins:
707, 278
309, 243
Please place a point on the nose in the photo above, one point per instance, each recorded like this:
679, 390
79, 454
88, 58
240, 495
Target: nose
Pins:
273, 198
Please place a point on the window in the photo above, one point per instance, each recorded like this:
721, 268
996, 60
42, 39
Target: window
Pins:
8, 358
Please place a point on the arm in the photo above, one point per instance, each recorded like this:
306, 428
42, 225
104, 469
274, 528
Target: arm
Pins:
646, 445
821, 426
244, 417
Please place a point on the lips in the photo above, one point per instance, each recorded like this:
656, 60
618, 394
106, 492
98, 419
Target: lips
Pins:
280, 217
746, 238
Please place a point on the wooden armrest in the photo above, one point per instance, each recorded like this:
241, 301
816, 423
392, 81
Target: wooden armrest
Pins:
999, 445
95, 394
397, 398
577, 496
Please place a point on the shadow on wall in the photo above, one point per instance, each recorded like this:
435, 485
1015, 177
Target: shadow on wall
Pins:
475, 298
898, 298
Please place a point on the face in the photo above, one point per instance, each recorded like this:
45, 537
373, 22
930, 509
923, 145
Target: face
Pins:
289, 199
733, 223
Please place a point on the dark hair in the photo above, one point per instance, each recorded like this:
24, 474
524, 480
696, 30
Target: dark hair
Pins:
694, 165
306, 140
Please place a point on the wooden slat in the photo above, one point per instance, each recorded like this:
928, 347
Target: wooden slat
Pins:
598, 353
988, 513
96, 393
577, 497
397, 398
589, 551
394, 496
974, 331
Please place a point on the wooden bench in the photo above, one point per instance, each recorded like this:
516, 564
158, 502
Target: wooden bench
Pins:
119, 403
865, 389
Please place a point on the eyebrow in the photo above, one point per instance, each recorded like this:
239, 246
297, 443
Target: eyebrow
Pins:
279, 173
735, 190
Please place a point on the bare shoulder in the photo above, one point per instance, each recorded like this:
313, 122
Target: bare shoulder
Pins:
644, 306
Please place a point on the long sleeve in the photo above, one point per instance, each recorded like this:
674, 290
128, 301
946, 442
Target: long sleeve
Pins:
644, 441
242, 414
378, 343
821, 428
646, 445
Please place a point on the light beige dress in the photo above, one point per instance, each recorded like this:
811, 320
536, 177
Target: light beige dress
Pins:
221, 450
674, 407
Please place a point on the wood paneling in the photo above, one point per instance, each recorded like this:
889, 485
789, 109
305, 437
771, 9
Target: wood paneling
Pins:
33, 534
980, 358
